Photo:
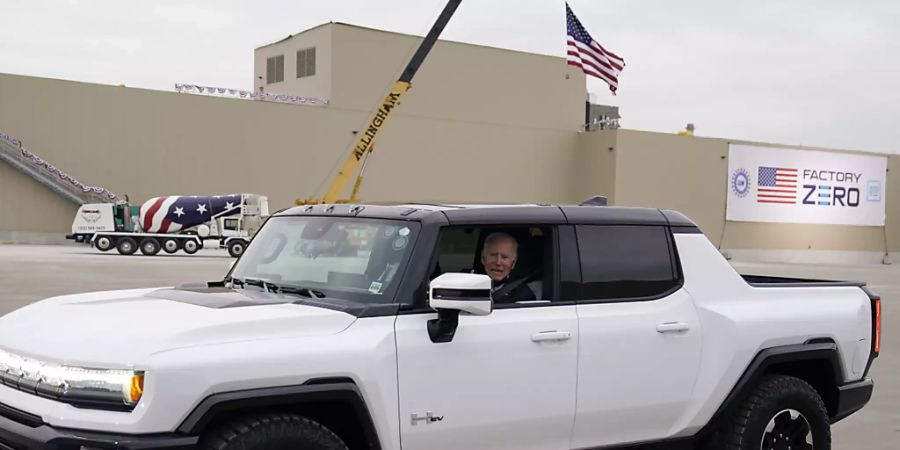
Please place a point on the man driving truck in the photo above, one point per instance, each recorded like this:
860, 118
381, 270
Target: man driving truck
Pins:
499, 258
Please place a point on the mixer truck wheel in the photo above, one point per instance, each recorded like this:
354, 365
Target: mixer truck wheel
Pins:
126, 246
149, 246
236, 248
170, 245
190, 246
103, 243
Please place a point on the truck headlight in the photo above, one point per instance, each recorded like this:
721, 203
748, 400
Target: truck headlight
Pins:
102, 388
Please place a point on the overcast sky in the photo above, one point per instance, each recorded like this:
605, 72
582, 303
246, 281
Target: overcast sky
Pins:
810, 72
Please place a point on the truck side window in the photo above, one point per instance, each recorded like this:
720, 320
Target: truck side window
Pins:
460, 251
620, 263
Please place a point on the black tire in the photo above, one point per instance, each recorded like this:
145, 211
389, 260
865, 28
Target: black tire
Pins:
170, 245
781, 410
104, 243
274, 431
126, 246
150, 246
190, 246
236, 248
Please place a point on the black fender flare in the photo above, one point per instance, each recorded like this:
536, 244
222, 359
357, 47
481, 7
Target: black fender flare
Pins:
823, 349
342, 390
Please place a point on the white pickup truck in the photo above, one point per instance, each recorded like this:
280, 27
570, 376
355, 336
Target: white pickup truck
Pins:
627, 328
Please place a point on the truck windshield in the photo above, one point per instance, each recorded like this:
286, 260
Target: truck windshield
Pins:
356, 259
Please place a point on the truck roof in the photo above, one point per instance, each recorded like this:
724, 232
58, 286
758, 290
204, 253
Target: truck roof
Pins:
460, 214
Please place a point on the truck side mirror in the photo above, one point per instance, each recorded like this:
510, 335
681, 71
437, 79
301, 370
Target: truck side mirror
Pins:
452, 293
466, 292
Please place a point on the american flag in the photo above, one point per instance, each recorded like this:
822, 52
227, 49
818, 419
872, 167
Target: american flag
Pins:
174, 213
586, 53
777, 185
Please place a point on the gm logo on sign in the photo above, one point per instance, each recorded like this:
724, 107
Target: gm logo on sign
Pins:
740, 183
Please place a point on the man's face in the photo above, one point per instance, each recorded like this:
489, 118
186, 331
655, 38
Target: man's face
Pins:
499, 258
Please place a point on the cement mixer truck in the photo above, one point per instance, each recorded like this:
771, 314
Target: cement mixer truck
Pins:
172, 223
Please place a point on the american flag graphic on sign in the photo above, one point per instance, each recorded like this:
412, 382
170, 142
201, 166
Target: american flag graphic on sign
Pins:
777, 185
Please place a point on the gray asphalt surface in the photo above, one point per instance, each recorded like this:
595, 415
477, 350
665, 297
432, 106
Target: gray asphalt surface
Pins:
31, 273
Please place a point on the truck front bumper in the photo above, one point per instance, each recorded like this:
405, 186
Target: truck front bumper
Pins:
23, 431
852, 397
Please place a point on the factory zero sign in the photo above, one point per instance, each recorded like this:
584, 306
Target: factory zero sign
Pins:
767, 184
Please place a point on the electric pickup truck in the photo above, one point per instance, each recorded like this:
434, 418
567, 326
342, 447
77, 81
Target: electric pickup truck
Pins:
447, 327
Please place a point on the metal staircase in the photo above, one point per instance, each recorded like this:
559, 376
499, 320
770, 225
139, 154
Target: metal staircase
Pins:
14, 154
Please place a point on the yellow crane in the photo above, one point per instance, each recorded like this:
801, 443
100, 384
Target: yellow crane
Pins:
362, 148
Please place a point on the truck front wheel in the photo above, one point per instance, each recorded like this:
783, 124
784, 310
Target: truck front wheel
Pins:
781, 412
236, 248
103, 243
272, 431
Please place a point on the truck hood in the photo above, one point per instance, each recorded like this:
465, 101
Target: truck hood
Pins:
119, 329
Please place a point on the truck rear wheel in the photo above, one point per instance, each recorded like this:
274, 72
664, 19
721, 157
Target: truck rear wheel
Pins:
126, 246
170, 245
272, 431
149, 246
190, 246
781, 412
236, 248
103, 243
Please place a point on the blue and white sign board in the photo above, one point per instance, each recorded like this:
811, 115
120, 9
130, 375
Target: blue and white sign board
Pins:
767, 184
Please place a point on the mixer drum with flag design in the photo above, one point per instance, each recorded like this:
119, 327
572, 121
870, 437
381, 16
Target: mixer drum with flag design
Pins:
174, 213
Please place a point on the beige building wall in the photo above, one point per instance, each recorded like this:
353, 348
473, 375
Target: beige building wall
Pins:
674, 172
892, 195
595, 165
148, 143
29, 207
318, 85
461, 82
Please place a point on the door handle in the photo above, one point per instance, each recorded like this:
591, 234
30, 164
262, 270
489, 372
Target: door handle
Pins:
672, 327
551, 336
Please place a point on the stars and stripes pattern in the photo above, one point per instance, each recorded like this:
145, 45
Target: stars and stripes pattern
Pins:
777, 185
591, 57
174, 213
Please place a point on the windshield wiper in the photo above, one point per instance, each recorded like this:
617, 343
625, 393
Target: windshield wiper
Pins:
300, 290
268, 286
252, 282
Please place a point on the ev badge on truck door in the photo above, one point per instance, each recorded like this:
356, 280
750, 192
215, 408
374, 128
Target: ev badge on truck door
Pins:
429, 417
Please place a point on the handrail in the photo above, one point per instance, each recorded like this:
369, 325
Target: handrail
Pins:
12, 151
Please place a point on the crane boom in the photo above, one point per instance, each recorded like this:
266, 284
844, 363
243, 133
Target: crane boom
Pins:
376, 121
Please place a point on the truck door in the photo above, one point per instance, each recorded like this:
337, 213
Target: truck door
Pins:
506, 380
231, 226
640, 342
